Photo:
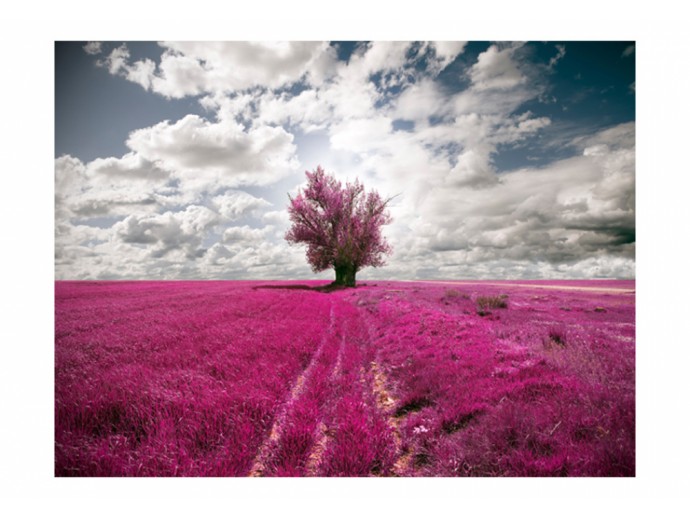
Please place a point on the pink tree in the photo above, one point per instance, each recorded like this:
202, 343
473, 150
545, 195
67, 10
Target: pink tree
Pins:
340, 226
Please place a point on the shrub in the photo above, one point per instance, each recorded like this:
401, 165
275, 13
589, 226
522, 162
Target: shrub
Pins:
557, 337
451, 294
485, 303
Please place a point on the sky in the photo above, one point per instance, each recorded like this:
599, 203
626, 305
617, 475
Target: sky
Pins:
507, 160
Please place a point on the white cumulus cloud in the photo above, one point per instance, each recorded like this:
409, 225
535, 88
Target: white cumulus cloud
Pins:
192, 68
496, 69
205, 155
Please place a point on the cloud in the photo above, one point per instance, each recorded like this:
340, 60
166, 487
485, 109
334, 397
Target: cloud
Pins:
171, 232
576, 211
629, 51
420, 101
347, 90
361, 135
207, 156
190, 199
452, 152
130, 167
141, 72
496, 69
145, 241
116, 61
502, 80
484, 130
193, 68
445, 53
254, 260
70, 176
106, 186
118, 186
245, 234
92, 47
378, 56
75, 237
354, 89
621, 136
473, 169
559, 55
279, 218
159, 207
234, 205
309, 110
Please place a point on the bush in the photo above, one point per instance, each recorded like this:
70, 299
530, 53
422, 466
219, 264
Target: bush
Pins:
485, 303
557, 337
452, 294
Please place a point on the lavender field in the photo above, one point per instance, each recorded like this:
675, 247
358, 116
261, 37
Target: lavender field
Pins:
252, 378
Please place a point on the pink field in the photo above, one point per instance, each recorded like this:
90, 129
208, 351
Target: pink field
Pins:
228, 378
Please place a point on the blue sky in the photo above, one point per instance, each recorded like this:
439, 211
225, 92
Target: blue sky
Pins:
512, 160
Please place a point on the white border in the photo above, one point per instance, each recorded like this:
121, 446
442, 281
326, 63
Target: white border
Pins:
26, 338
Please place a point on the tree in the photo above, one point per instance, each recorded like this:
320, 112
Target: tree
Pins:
341, 226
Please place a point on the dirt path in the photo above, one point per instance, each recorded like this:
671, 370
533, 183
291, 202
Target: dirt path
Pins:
603, 289
383, 399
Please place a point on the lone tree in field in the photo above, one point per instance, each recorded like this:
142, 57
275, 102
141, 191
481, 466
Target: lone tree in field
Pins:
341, 226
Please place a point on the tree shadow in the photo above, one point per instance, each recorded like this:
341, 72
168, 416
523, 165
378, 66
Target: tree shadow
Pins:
324, 288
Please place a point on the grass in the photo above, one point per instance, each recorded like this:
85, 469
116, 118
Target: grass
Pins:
228, 379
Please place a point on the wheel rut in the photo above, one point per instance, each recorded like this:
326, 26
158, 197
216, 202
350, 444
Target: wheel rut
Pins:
275, 437
343, 383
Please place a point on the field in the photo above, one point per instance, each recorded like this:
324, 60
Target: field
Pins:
239, 378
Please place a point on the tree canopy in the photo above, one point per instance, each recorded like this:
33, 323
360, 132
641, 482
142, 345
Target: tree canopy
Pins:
341, 226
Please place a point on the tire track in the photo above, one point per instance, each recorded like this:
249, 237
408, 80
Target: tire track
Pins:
323, 431
298, 389
385, 402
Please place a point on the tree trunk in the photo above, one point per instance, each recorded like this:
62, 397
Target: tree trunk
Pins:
345, 275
